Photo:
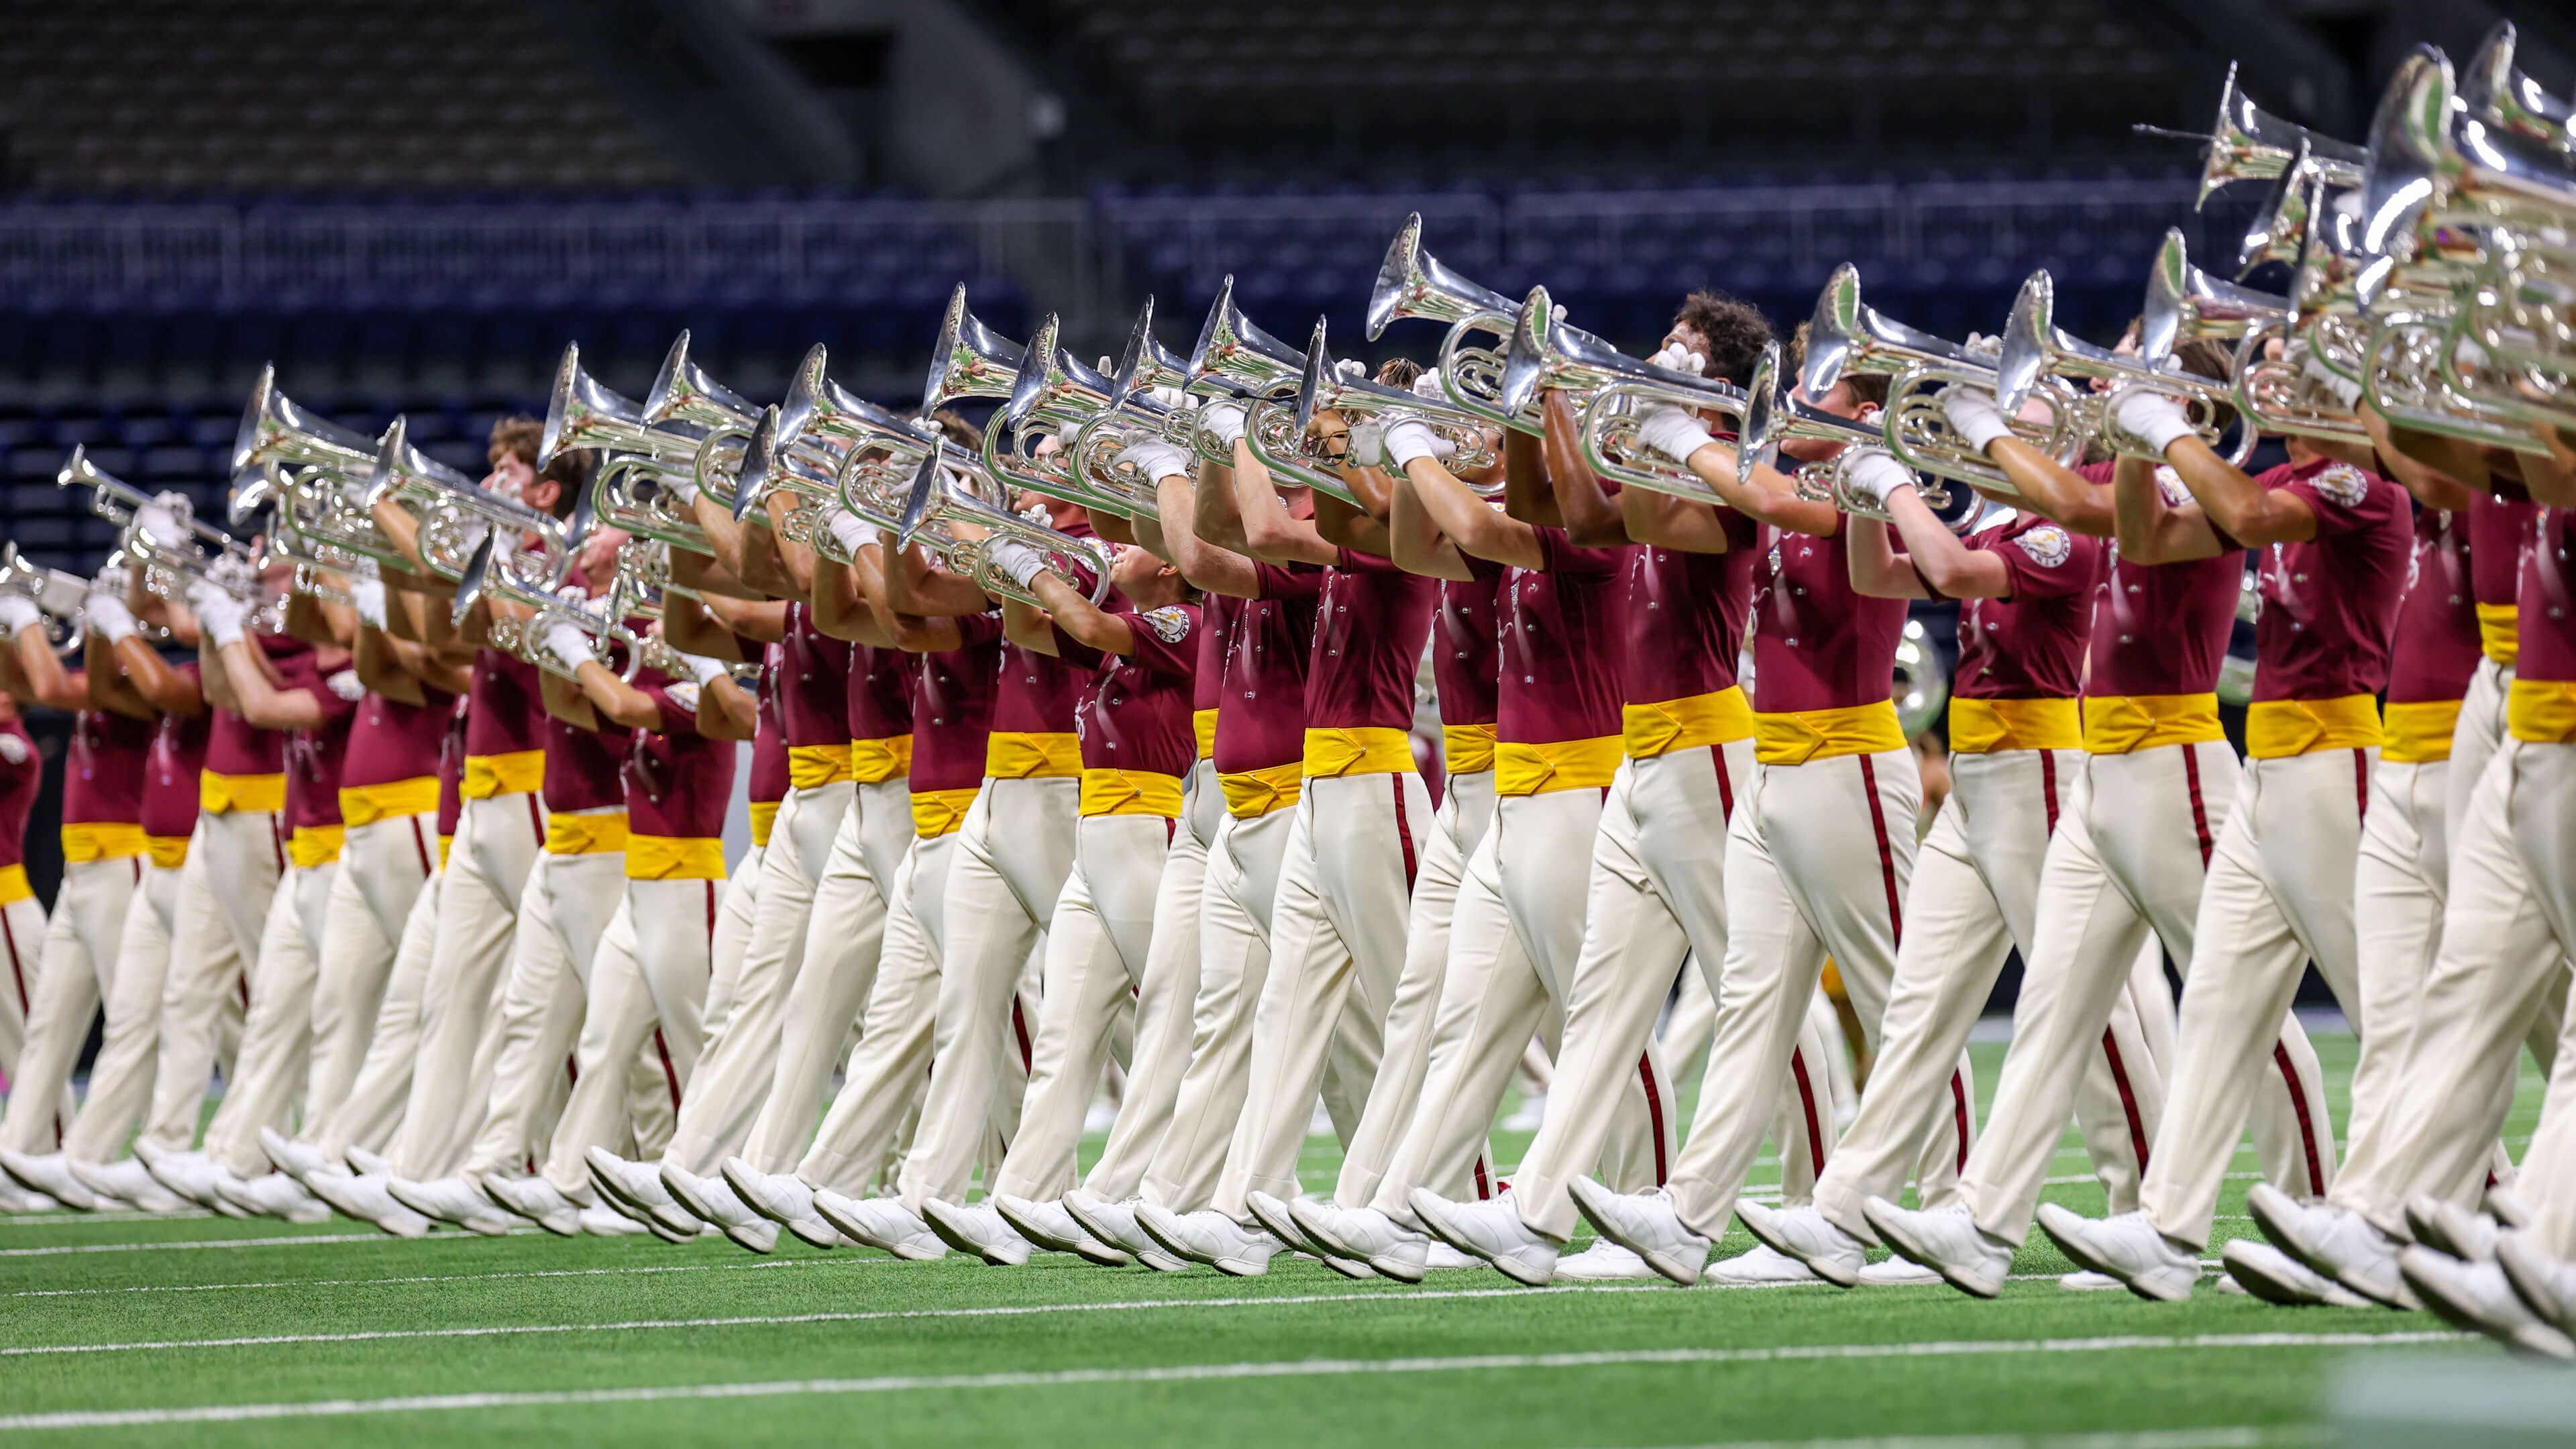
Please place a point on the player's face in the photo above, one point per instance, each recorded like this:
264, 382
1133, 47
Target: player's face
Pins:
510, 477
1331, 435
598, 557
1688, 339
1839, 401
1132, 570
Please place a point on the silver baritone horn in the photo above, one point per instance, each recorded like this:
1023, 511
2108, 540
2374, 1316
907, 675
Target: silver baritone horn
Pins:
971, 360
169, 565
1610, 391
1327, 387
456, 512
1773, 417
1413, 283
959, 528
2035, 347
2249, 143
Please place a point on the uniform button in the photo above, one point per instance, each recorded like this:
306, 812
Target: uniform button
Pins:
1793, 643
2127, 639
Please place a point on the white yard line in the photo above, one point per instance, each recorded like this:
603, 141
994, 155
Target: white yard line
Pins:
1189, 1373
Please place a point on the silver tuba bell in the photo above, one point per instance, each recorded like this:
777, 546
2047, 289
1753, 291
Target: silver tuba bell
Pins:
1413, 283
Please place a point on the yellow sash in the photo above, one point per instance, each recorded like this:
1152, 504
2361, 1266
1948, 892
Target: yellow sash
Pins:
2419, 733
873, 762
600, 834
1251, 794
1467, 749
937, 812
367, 804
1204, 723
1823, 734
1364, 751
2541, 711
314, 845
515, 773
671, 857
812, 766
2500, 632
1020, 755
2120, 724
1988, 726
764, 814
13, 885
1718, 718
1130, 792
226, 794
1527, 769
101, 840
168, 851
2279, 728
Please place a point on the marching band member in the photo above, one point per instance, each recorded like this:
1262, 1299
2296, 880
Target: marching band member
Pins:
22, 916
1137, 748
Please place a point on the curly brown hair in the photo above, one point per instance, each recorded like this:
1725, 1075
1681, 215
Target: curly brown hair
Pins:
1735, 330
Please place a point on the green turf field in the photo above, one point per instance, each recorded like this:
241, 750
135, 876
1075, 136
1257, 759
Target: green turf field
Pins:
261, 1333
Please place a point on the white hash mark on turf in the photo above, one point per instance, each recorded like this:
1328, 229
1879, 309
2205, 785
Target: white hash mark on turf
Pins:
1185, 1373
454, 1277
283, 1240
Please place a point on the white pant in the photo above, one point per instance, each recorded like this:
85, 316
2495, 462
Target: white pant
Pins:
2475, 739
1234, 962
1337, 951
2507, 928
373, 1106
2279, 896
80, 945
1164, 997
1098, 951
564, 909
648, 988
277, 1039
892, 1064
742, 1055
382, 868
497, 841
234, 862
1974, 898
1515, 936
120, 1078
1013, 853
2123, 872
1656, 897
844, 941
23, 920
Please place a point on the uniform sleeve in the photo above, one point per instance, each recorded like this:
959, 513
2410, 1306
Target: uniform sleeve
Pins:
1271, 581
1558, 555
1074, 652
676, 701
974, 629
2044, 561
1167, 639
1355, 561
2346, 499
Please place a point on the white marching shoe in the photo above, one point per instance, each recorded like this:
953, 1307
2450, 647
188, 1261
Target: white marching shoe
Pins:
16, 1199
452, 1200
2267, 1273
711, 1200
298, 1160
2544, 1284
127, 1180
602, 1222
880, 1222
1048, 1225
1604, 1262
977, 1228
2479, 1298
539, 1201
276, 1195
1492, 1229
1897, 1272
1806, 1234
1366, 1235
1648, 1225
2085, 1280
1762, 1266
364, 1197
637, 1187
2336, 1241
1115, 1223
1280, 1222
1210, 1237
783, 1198
189, 1174
2128, 1247
1947, 1241
51, 1175
2450, 1228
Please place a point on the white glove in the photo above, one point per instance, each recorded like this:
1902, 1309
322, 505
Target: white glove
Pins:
1225, 420
1368, 444
1018, 560
1157, 461
702, 669
1974, 415
219, 614
17, 612
105, 615
1680, 359
1427, 387
681, 487
2154, 417
1671, 432
1352, 368
853, 532
112, 580
569, 646
2345, 390
1875, 475
203, 594
1411, 438
368, 597
160, 522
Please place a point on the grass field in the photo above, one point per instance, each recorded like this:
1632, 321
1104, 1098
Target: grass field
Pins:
232, 1332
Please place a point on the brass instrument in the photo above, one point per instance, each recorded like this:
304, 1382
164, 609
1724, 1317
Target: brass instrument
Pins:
1235, 358
1413, 283
1611, 392
525, 639
1055, 394
941, 504
457, 512
312, 473
58, 596
2249, 143
1326, 387
170, 565
868, 454
683, 392
971, 359
2035, 347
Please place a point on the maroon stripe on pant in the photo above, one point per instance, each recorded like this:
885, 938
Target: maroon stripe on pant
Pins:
1484, 1182
1020, 1029
2199, 811
572, 1068
1403, 830
2361, 783
536, 818
1807, 1102
670, 1073
420, 843
1959, 1116
1654, 1114
1886, 852
1725, 784
2307, 1125
2048, 786
277, 840
712, 903
2128, 1099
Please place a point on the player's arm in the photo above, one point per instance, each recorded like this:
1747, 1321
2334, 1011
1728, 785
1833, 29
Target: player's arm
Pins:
1594, 518
2230, 499
1770, 496
1269, 533
1208, 566
258, 699
1462, 517
1529, 494
914, 587
2151, 530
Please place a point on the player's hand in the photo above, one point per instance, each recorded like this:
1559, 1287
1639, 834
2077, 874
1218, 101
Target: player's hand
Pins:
1411, 438
1974, 415
1157, 460
1672, 433
1874, 475
1224, 420
2155, 417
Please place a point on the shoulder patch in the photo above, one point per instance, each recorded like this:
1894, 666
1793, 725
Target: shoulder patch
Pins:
2343, 483
684, 694
2171, 485
1170, 623
345, 684
2047, 545
13, 748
